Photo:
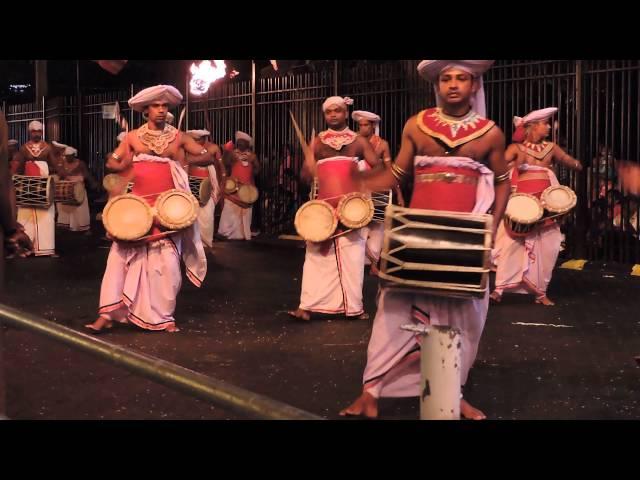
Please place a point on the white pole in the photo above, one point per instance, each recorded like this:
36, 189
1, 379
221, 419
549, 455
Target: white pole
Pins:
439, 371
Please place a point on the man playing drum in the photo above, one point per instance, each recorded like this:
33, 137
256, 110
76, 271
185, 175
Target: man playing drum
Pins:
525, 263
142, 278
211, 170
454, 152
73, 216
36, 159
333, 270
369, 128
242, 165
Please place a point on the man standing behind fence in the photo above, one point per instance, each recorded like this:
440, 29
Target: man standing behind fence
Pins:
242, 166
76, 217
333, 270
36, 159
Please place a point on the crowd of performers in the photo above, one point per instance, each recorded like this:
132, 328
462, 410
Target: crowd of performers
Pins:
164, 185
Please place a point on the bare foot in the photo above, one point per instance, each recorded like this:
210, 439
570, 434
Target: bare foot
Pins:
544, 300
362, 316
496, 297
99, 326
172, 329
366, 405
300, 314
469, 412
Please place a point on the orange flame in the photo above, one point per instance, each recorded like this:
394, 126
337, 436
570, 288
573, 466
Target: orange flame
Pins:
203, 75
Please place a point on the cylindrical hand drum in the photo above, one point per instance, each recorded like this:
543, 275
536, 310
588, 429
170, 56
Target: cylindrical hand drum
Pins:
176, 210
522, 213
558, 200
355, 210
247, 193
116, 182
230, 186
35, 192
127, 217
69, 192
201, 189
315, 221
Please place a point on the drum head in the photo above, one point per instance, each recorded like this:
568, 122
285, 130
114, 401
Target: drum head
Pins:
110, 181
230, 186
315, 221
50, 190
355, 210
176, 209
127, 217
205, 191
559, 199
247, 193
523, 208
113, 182
78, 192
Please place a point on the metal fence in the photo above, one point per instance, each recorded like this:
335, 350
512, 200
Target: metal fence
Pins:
598, 122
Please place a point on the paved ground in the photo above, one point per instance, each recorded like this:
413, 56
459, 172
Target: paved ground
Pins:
235, 328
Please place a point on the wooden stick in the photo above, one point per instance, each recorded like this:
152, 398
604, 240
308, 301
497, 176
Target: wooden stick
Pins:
301, 139
181, 118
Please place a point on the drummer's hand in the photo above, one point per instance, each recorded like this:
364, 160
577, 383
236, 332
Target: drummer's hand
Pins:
20, 243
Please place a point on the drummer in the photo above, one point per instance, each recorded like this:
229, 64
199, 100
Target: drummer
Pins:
243, 165
457, 155
142, 279
211, 170
524, 264
76, 217
36, 159
333, 270
369, 128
